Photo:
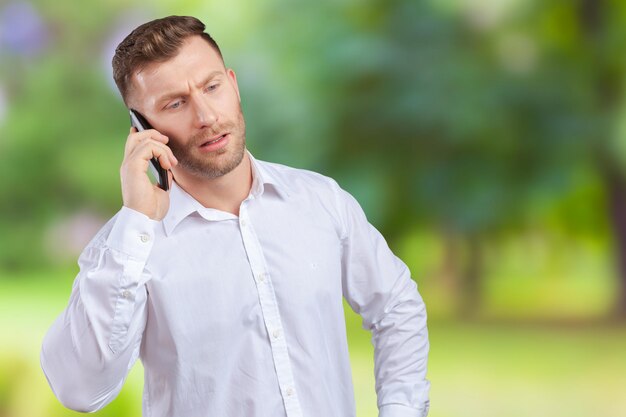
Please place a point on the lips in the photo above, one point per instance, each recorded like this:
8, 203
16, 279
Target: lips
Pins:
214, 139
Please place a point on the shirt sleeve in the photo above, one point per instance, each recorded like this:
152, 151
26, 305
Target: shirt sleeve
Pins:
89, 349
378, 286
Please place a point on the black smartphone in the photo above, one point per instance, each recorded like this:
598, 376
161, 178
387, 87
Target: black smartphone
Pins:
140, 123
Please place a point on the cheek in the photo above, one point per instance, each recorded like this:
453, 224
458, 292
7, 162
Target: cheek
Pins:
178, 139
229, 106
173, 129
235, 110
231, 101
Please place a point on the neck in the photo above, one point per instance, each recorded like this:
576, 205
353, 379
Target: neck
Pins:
223, 193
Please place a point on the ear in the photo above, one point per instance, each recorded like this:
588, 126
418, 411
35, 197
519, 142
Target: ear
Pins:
233, 79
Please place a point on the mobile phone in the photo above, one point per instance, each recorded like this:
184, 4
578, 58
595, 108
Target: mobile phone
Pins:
140, 123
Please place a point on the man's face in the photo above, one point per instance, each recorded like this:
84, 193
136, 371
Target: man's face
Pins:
194, 100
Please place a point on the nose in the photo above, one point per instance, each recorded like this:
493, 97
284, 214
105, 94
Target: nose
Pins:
205, 114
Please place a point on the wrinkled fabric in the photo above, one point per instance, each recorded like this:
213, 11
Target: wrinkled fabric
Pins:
241, 315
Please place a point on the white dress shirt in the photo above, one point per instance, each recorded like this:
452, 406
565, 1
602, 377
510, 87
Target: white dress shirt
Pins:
241, 316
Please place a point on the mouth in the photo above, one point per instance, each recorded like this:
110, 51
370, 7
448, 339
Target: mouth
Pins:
215, 144
214, 140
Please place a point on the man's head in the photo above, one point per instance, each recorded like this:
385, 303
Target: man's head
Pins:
173, 73
155, 41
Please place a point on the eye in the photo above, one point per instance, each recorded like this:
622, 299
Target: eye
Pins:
212, 87
175, 105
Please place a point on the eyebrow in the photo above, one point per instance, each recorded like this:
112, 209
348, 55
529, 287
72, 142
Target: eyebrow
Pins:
175, 94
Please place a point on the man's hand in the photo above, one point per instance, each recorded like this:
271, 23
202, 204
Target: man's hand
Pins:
138, 192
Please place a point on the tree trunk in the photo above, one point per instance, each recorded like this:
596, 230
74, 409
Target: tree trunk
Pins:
592, 15
471, 300
461, 273
616, 190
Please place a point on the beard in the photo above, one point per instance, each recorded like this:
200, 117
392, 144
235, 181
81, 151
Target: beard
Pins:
217, 163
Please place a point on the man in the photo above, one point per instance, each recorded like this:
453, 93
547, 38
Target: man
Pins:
228, 286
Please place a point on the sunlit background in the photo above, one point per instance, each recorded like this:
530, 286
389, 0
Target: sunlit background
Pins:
486, 139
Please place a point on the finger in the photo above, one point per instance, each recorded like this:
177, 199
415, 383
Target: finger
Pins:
135, 138
164, 161
166, 158
153, 149
169, 155
170, 178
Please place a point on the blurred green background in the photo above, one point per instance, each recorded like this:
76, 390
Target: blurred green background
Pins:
486, 139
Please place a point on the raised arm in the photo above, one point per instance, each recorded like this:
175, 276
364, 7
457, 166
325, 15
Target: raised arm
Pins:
88, 351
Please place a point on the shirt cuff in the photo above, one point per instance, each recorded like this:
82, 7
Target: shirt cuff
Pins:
397, 410
132, 233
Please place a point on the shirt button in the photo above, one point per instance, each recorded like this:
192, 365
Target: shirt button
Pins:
276, 333
126, 294
290, 392
262, 277
144, 237
244, 223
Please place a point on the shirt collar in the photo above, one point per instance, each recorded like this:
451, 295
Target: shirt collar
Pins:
265, 173
183, 205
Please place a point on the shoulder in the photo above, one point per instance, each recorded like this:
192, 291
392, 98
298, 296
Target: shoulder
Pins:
297, 180
319, 191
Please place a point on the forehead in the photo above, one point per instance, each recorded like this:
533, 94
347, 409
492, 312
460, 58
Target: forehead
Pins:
195, 59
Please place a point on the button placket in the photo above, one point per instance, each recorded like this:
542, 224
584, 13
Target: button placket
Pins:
271, 314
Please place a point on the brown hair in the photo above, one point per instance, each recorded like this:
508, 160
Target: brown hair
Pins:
155, 41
